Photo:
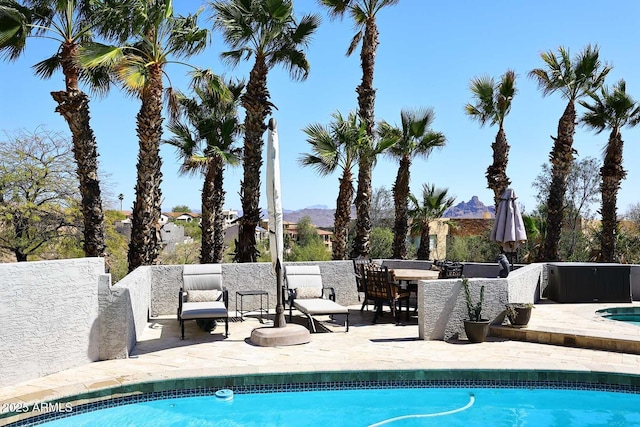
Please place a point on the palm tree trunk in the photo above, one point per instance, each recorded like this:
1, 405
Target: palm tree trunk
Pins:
207, 254
73, 105
218, 222
256, 104
366, 107
363, 209
561, 161
145, 229
612, 175
497, 179
401, 201
423, 249
342, 216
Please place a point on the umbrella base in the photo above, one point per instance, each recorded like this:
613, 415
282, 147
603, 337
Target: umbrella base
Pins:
291, 334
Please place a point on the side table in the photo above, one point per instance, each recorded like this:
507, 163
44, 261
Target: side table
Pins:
255, 292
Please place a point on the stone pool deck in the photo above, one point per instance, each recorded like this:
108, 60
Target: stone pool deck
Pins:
161, 355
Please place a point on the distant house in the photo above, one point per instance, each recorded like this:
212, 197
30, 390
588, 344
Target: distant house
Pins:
182, 216
291, 229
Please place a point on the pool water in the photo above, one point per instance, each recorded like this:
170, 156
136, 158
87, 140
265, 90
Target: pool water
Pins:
377, 407
622, 314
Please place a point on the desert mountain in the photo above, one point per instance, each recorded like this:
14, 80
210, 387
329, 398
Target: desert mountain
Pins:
322, 216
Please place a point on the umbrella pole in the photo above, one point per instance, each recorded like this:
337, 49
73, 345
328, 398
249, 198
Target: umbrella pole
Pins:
279, 321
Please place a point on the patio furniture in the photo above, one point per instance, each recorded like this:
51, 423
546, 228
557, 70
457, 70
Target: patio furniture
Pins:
358, 264
309, 296
255, 292
382, 289
450, 270
202, 296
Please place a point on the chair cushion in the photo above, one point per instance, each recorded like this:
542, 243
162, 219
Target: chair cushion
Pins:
308, 292
319, 306
204, 310
204, 296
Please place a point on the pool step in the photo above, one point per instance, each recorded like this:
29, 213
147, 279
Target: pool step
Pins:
556, 336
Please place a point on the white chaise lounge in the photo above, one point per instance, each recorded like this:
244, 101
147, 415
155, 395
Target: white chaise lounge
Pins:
308, 296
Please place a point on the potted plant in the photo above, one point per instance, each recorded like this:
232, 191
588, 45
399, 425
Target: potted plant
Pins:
475, 327
519, 313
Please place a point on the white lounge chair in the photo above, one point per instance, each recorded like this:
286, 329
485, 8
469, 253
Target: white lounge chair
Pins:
202, 297
308, 296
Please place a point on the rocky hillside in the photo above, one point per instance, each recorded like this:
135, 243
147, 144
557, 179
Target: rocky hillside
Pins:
322, 216
474, 208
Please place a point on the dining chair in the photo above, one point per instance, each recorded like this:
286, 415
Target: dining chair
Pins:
358, 265
381, 289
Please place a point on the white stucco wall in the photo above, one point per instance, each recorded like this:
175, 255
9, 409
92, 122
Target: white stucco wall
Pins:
124, 311
442, 304
48, 317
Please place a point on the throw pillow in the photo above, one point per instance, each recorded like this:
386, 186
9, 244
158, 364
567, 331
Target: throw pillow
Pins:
308, 293
204, 295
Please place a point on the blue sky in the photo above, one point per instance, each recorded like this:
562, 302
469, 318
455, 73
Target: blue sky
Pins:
428, 53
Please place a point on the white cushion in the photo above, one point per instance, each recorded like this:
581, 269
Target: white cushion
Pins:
204, 296
307, 293
203, 310
319, 306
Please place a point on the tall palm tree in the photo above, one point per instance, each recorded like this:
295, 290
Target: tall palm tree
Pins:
336, 146
148, 35
414, 138
611, 109
493, 104
205, 143
268, 32
363, 13
69, 23
435, 201
573, 79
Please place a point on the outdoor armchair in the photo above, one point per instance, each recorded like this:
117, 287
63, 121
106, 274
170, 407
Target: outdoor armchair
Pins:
309, 296
202, 297
381, 289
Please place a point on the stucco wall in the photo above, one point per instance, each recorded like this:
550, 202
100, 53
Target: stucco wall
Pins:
124, 311
48, 317
166, 281
442, 304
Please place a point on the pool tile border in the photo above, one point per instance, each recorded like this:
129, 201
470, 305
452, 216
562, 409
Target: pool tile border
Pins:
315, 381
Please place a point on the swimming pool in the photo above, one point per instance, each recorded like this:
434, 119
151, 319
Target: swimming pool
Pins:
373, 397
623, 314
369, 407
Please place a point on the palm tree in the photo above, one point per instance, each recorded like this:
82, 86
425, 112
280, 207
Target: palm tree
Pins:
573, 79
415, 138
205, 142
69, 23
268, 31
493, 104
148, 35
611, 109
435, 202
363, 13
336, 146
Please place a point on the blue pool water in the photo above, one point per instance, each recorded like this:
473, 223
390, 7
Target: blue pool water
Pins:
379, 407
622, 314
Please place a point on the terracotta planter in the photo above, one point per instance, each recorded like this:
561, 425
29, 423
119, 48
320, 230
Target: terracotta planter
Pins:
476, 331
521, 318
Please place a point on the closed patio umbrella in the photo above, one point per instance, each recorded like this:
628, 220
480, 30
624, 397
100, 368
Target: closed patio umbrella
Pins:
508, 229
274, 208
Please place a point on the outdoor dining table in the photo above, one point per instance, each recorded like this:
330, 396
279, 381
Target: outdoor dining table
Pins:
413, 274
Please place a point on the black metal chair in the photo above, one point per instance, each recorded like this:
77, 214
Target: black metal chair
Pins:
358, 264
381, 289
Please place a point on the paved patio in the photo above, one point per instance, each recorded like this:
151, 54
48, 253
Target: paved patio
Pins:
384, 346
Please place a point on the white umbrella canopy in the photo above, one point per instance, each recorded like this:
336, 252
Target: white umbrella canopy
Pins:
274, 208
508, 229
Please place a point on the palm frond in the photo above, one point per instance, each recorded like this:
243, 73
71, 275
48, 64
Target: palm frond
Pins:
46, 68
